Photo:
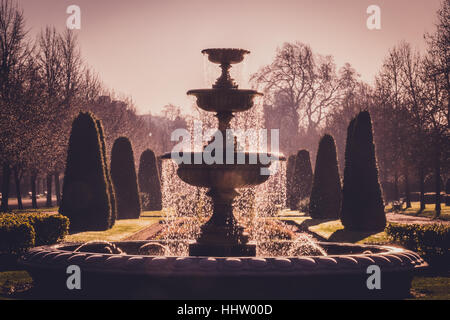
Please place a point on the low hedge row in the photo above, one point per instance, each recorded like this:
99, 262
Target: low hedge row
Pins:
19, 232
432, 241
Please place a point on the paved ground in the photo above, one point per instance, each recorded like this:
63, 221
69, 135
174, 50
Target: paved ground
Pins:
408, 219
27, 202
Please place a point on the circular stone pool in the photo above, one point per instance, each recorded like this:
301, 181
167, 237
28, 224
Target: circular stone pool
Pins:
342, 273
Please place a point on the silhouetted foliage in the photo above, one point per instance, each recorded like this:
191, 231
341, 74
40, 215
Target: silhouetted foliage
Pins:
447, 191
362, 203
112, 193
325, 200
290, 168
85, 200
302, 179
149, 181
123, 174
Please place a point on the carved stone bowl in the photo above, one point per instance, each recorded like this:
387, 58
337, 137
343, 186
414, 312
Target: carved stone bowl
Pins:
343, 273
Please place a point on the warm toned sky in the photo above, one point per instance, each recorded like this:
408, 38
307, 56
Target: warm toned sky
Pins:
150, 49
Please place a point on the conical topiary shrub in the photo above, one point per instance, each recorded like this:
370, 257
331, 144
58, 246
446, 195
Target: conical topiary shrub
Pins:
325, 200
362, 203
149, 182
123, 174
85, 199
302, 179
290, 168
112, 193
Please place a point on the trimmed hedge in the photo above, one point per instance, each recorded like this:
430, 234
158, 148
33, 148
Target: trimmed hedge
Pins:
19, 232
149, 181
16, 235
112, 192
49, 228
431, 241
85, 199
302, 179
325, 200
123, 175
362, 202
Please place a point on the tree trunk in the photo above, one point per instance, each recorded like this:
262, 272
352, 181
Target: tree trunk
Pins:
422, 188
49, 190
5, 187
407, 191
18, 191
396, 193
438, 181
33, 178
57, 189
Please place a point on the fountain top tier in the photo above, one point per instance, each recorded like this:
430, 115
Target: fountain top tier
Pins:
225, 58
225, 55
225, 97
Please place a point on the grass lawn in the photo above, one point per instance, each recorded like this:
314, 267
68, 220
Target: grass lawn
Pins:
14, 281
429, 211
41, 210
431, 288
333, 230
122, 229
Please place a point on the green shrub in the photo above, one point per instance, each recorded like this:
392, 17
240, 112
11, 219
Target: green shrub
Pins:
16, 235
49, 228
123, 174
325, 201
432, 241
19, 232
85, 199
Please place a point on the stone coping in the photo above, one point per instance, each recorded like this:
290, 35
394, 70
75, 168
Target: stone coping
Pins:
390, 259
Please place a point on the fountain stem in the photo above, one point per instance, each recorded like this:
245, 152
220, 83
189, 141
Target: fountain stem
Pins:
222, 235
225, 81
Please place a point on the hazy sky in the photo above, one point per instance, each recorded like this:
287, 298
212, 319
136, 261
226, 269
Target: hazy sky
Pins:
150, 49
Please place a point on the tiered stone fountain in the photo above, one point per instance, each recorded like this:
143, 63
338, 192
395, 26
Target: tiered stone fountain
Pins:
222, 262
222, 235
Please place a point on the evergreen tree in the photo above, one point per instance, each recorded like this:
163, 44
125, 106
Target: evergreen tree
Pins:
123, 174
302, 178
325, 201
85, 199
362, 203
149, 181
112, 193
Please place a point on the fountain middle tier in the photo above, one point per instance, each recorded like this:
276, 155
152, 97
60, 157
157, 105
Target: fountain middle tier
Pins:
224, 100
222, 235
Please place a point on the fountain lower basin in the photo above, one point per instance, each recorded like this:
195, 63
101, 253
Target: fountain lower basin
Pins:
340, 274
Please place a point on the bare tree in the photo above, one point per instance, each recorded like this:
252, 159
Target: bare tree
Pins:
13, 54
305, 86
